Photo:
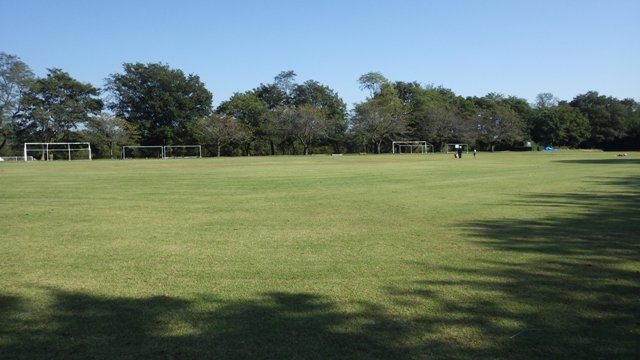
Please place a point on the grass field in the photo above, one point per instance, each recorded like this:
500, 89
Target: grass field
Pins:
510, 255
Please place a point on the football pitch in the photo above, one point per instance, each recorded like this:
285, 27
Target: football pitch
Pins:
510, 255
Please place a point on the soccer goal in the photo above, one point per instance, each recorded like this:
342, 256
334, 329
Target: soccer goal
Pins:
455, 147
57, 151
411, 147
182, 151
142, 152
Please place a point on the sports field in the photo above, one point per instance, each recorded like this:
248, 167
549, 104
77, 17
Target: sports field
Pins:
510, 255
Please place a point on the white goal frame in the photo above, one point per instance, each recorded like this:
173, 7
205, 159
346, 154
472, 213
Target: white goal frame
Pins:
419, 144
49, 149
124, 148
453, 147
166, 156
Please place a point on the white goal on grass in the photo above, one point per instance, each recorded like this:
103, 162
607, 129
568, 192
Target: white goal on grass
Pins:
142, 152
182, 151
411, 147
57, 151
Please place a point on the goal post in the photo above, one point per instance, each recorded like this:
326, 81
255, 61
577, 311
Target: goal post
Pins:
411, 147
142, 152
57, 151
182, 151
161, 152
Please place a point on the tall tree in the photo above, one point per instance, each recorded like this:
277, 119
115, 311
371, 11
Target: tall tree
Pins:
607, 117
285, 82
380, 118
445, 125
329, 103
271, 95
163, 103
546, 100
559, 125
433, 113
632, 124
55, 107
223, 130
495, 123
372, 81
249, 110
575, 125
15, 79
305, 123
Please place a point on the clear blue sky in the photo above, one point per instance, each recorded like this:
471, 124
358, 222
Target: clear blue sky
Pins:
513, 47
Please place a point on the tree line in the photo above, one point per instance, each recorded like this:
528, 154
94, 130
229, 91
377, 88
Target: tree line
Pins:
153, 104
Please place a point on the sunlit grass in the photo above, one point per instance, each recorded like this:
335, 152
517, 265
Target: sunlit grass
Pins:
511, 255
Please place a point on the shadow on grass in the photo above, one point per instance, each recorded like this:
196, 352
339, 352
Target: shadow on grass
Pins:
566, 286
561, 287
558, 287
612, 161
276, 326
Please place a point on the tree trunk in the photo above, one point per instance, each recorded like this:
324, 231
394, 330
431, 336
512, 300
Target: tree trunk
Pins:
218, 146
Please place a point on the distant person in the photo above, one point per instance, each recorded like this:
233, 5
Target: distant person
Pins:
460, 152
475, 152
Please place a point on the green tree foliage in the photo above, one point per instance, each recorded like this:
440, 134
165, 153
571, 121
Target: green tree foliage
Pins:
272, 95
320, 97
446, 125
284, 92
285, 82
607, 117
166, 107
163, 103
632, 125
372, 81
306, 123
15, 79
55, 107
433, 113
380, 118
223, 130
254, 113
545, 101
559, 125
576, 126
108, 133
496, 123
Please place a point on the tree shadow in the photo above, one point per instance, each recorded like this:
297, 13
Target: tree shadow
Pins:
571, 282
603, 224
559, 287
275, 326
612, 161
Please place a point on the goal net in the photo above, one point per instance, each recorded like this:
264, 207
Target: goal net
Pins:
142, 152
411, 147
182, 151
57, 151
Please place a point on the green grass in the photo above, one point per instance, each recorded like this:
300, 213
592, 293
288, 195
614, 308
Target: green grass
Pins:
511, 255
